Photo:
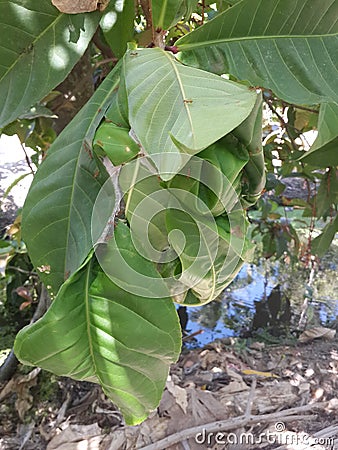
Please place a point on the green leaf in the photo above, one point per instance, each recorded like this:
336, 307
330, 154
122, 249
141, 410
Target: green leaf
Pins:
169, 103
118, 110
249, 133
228, 156
126, 261
38, 111
117, 24
116, 143
194, 239
97, 332
212, 272
39, 47
166, 13
321, 244
324, 150
56, 220
327, 194
287, 46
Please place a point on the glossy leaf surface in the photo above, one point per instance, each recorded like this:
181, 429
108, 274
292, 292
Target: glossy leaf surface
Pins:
288, 46
116, 143
39, 47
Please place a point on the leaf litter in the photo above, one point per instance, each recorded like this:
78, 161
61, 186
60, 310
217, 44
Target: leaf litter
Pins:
224, 387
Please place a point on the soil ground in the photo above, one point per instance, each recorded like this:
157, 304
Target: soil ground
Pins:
227, 379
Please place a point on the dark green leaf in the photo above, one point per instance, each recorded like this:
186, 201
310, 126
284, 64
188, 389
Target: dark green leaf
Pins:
38, 111
166, 13
227, 156
324, 151
321, 244
249, 133
37, 51
117, 24
327, 193
57, 214
287, 46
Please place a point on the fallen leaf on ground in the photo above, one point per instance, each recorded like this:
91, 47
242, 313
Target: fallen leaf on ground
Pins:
316, 333
21, 386
259, 374
76, 437
179, 393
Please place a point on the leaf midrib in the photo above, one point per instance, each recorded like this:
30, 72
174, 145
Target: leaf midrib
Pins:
94, 118
87, 312
192, 46
174, 63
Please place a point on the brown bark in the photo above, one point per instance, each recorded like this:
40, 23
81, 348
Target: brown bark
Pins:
75, 91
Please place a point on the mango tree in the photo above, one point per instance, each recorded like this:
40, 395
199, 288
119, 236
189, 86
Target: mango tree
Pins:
142, 201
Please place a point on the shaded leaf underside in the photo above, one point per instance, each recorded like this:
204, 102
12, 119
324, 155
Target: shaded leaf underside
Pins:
98, 332
169, 103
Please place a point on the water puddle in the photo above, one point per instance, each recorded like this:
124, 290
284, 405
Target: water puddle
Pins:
269, 296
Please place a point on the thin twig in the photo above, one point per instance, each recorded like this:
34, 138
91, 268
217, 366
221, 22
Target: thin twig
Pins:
286, 126
106, 51
231, 424
18, 269
303, 108
27, 158
105, 61
250, 398
190, 336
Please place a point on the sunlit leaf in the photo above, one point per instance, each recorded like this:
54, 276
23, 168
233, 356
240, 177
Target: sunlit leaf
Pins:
39, 47
117, 24
98, 332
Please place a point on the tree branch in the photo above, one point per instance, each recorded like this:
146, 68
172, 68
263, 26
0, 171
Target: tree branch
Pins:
231, 424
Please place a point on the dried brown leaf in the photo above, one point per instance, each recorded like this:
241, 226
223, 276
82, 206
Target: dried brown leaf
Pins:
79, 6
179, 393
75, 437
21, 386
236, 384
316, 333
